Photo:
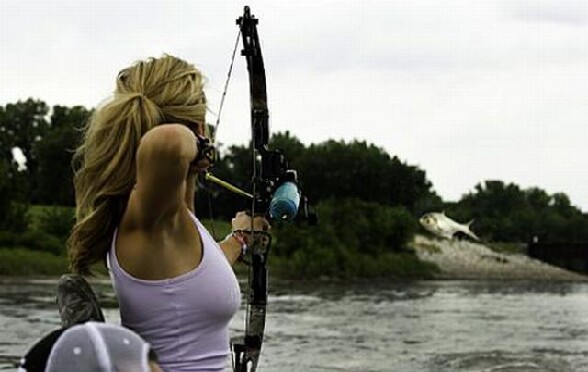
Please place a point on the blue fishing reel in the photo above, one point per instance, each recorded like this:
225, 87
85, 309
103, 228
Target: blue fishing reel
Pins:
285, 202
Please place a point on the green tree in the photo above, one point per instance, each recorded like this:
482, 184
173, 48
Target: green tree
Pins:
355, 238
13, 206
505, 212
335, 169
290, 145
23, 125
54, 154
332, 169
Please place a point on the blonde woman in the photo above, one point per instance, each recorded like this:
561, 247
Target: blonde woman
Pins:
135, 182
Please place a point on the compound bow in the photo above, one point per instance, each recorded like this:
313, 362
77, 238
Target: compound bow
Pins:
275, 194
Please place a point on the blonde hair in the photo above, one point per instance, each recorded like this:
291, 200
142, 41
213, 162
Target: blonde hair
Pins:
149, 93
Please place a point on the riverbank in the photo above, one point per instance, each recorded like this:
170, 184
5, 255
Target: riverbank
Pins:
467, 260
454, 260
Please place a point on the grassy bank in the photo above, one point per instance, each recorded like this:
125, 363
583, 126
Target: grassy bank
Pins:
404, 266
24, 262
40, 251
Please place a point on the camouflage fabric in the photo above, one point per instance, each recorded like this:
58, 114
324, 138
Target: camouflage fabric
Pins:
77, 301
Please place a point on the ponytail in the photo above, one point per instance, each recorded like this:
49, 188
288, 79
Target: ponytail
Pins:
149, 93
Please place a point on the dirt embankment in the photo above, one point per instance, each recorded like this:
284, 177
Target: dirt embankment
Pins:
467, 260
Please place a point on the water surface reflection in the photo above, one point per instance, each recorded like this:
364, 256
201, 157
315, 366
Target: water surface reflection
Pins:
375, 326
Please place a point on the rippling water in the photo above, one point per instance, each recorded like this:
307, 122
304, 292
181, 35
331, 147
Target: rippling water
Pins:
437, 326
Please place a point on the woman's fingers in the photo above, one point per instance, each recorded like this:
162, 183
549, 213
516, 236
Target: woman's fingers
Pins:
247, 237
261, 224
242, 221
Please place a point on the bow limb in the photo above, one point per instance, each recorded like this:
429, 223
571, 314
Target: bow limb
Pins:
247, 351
275, 195
257, 85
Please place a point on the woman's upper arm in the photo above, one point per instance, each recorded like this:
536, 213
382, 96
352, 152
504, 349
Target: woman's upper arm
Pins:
163, 158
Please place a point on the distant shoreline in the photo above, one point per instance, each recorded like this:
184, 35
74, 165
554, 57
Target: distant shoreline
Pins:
456, 260
462, 260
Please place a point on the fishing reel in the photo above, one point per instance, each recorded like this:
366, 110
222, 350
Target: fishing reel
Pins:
280, 194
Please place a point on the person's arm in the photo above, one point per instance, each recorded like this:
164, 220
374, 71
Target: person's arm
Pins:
163, 158
232, 248
191, 191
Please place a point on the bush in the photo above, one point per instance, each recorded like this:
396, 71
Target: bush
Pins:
367, 228
354, 239
8, 238
15, 217
57, 221
19, 261
324, 264
40, 241
33, 240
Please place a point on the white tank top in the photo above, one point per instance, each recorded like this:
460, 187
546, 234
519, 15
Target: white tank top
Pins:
186, 318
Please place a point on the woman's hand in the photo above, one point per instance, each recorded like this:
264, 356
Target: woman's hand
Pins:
205, 153
235, 244
241, 226
242, 222
197, 167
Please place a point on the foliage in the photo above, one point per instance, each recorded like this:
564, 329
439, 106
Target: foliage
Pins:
8, 238
361, 171
22, 126
367, 199
506, 213
355, 238
24, 262
219, 229
57, 221
12, 197
34, 240
353, 170
54, 154
13, 216
46, 232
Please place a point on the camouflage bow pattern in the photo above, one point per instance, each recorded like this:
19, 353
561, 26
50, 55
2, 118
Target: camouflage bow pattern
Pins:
274, 185
247, 350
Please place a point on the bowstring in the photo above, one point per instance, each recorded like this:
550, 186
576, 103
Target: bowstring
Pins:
218, 117
214, 136
229, 73
254, 156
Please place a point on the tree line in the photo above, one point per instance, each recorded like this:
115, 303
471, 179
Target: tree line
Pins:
368, 200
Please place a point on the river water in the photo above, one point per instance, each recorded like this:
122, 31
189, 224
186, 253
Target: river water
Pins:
437, 326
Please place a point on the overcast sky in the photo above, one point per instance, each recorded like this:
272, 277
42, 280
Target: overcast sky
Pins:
466, 90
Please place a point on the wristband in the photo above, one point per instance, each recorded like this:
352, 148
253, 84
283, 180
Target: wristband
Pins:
240, 240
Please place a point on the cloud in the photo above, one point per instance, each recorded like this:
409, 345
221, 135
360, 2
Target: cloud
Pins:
567, 12
467, 90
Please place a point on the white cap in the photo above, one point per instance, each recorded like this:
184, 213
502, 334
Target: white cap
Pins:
99, 347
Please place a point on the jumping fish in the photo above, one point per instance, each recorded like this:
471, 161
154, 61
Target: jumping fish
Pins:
443, 226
